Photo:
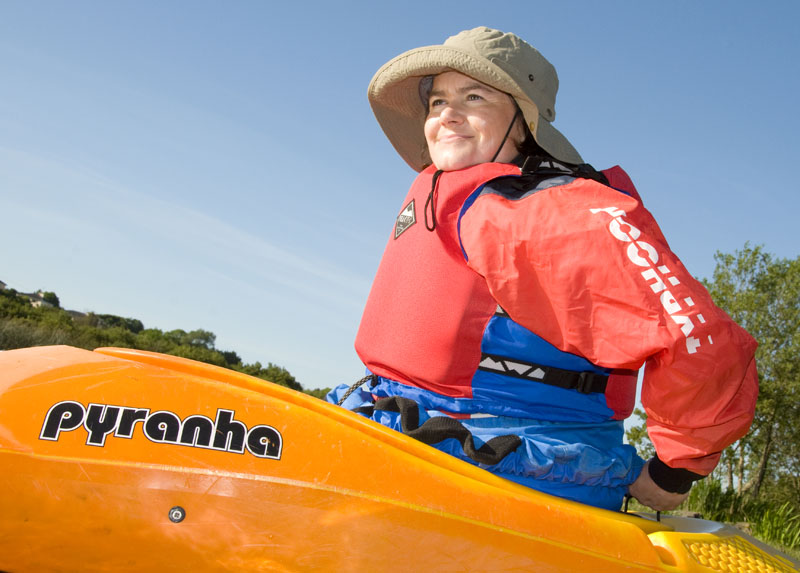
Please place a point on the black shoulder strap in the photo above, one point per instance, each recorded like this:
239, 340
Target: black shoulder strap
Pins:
544, 167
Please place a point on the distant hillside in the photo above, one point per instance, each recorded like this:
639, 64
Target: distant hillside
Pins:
36, 319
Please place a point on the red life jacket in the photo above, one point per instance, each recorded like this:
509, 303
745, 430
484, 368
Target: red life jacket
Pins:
426, 318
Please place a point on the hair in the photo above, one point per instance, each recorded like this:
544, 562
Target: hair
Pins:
528, 147
425, 87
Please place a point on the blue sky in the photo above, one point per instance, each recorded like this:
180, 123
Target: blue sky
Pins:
216, 165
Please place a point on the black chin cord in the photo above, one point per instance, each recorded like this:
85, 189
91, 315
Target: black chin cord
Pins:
431, 203
508, 132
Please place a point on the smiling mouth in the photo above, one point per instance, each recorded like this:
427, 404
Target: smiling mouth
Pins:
453, 137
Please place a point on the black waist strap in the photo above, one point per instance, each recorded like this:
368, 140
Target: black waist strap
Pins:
584, 382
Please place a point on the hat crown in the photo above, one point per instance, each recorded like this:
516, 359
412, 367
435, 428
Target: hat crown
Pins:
525, 65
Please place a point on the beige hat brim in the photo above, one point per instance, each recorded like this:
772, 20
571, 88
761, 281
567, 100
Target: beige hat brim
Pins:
395, 99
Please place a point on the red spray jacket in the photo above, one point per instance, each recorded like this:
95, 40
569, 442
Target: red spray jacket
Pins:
587, 269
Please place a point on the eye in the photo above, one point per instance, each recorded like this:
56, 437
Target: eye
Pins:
474, 97
435, 102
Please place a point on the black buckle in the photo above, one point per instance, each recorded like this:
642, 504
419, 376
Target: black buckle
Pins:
585, 380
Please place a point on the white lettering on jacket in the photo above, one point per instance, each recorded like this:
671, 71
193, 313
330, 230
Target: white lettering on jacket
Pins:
643, 254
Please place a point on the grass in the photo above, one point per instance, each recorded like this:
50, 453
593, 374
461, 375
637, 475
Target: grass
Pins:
779, 526
772, 523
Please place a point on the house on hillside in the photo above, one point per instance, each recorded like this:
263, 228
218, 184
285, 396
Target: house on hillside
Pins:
37, 298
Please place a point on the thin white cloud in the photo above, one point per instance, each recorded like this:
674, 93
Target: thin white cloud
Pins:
79, 201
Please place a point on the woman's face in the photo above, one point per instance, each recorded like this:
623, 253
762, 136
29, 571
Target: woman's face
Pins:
467, 121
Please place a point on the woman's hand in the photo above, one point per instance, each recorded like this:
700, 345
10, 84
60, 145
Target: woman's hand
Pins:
645, 490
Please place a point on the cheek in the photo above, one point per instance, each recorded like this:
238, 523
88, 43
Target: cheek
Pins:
430, 129
493, 125
485, 130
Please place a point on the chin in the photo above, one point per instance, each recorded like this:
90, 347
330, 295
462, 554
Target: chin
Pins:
454, 164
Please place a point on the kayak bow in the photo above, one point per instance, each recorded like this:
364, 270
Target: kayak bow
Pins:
125, 460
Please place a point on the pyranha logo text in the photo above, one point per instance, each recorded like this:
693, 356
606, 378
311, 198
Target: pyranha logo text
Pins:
224, 434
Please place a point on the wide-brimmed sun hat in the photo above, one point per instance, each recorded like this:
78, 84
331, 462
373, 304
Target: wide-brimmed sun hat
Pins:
498, 59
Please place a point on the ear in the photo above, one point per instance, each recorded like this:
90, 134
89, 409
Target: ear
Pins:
520, 131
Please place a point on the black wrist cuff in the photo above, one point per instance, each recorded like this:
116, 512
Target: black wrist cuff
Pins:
673, 480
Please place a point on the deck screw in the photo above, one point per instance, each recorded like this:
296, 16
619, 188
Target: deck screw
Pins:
177, 514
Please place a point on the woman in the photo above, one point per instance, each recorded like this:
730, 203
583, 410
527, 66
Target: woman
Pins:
521, 290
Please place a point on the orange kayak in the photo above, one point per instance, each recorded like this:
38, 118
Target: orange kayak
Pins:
124, 460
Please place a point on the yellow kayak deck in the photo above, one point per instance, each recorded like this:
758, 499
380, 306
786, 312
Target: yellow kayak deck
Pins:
124, 460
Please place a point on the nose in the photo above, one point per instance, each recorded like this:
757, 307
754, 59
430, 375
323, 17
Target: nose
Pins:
450, 114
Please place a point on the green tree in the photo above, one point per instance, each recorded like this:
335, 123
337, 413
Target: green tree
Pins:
200, 337
637, 436
762, 293
110, 320
51, 298
272, 373
318, 392
154, 340
199, 353
23, 325
231, 358
13, 306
